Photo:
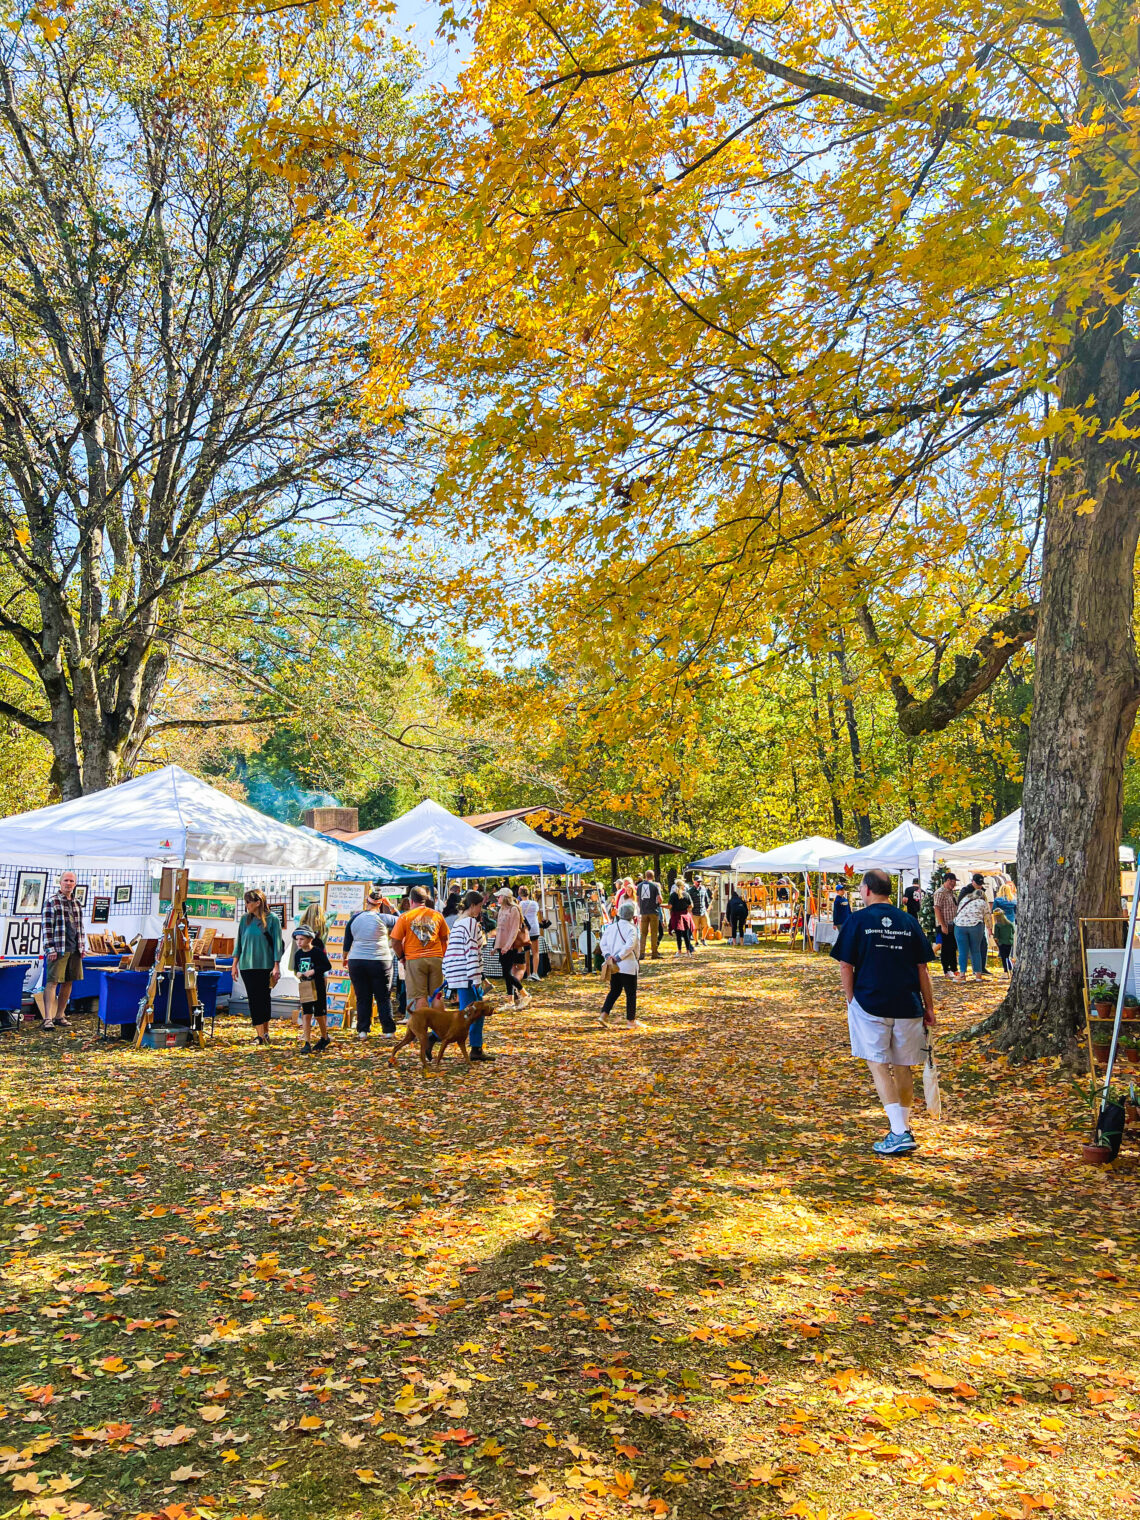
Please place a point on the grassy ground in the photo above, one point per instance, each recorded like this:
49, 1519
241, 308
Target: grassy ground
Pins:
618, 1271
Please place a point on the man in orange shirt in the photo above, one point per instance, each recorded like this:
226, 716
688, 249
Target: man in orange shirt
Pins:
419, 937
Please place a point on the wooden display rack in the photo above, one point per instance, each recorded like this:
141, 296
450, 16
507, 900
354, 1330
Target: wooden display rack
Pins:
1122, 924
174, 954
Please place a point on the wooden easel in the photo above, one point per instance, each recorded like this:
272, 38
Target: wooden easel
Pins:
174, 954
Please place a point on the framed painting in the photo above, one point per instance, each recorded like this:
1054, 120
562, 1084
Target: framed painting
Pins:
305, 897
31, 891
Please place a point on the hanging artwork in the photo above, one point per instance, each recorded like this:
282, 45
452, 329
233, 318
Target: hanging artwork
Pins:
31, 889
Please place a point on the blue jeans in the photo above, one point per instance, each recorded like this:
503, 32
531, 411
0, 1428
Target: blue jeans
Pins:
467, 996
971, 944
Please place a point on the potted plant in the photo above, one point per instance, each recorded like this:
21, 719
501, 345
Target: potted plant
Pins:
1129, 1046
1131, 1008
1100, 1033
1102, 993
1108, 1123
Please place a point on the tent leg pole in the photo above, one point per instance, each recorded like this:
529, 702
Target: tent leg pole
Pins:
807, 891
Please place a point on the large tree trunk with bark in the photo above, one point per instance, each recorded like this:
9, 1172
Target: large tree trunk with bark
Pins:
1086, 693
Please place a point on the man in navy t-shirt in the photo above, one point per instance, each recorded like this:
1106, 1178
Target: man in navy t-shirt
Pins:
883, 955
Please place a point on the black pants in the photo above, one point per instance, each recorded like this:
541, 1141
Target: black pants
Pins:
1006, 953
509, 959
684, 936
621, 981
949, 952
370, 982
257, 994
736, 926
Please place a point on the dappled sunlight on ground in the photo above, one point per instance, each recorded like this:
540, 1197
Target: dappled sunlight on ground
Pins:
619, 1272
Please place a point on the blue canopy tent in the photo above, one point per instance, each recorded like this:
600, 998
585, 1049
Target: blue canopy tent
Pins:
355, 864
548, 858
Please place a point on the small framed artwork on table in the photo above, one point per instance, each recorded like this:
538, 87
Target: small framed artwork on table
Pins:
124, 894
31, 890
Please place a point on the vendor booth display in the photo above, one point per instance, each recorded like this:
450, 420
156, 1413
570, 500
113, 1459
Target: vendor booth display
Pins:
117, 840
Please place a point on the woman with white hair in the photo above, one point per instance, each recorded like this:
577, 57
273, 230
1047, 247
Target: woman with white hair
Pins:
619, 945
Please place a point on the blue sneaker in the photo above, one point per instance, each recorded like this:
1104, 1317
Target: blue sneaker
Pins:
895, 1145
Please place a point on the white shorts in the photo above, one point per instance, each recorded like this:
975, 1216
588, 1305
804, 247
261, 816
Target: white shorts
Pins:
891, 1042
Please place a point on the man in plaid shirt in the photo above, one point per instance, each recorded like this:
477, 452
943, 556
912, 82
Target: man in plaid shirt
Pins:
63, 950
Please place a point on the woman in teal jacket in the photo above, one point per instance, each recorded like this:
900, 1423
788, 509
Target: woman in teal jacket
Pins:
257, 958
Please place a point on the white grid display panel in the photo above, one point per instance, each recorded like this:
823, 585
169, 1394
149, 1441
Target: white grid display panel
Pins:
100, 882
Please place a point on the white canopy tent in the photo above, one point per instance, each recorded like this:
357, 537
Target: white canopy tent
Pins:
800, 855
431, 836
739, 859
994, 846
997, 845
166, 814
554, 860
907, 848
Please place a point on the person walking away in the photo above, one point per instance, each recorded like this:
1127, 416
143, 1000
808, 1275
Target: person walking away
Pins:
369, 956
649, 906
463, 967
1003, 938
310, 963
257, 960
64, 944
1005, 898
945, 911
736, 910
529, 910
681, 916
702, 898
512, 941
912, 897
840, 906
620, 945
883, 958
420, 938
970, 923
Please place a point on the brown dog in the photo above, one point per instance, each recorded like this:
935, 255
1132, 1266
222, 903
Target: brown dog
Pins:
447, 1024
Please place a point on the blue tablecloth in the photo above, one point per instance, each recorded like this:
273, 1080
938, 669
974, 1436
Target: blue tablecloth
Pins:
122, 992
12, 986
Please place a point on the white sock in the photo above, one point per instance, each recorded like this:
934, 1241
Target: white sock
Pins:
896, 1114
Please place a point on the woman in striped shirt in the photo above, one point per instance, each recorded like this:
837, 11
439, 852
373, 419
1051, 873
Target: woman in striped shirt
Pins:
463, 965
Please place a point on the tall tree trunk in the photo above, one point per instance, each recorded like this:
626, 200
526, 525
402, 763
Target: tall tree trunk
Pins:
862, 818
827, 756
1086, 691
